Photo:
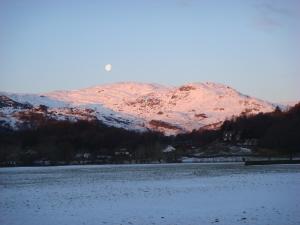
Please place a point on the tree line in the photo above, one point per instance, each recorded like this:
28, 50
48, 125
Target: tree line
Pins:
278, 130
62, 140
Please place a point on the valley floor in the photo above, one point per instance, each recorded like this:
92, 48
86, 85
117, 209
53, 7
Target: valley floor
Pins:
190, 194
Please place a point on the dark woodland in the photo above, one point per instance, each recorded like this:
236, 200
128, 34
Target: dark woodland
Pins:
63, 142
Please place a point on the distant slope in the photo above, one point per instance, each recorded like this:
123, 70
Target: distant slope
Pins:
144, 106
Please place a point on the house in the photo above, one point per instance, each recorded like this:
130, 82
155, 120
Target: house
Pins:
250, 142
228, 135
103, 159
83, 158
122, 152
122, 156
170, 154
231, 136
169, 148
87, 155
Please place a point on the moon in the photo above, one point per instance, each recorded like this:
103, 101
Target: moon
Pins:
108, 67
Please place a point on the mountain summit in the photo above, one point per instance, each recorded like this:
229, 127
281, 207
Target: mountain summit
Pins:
137, 106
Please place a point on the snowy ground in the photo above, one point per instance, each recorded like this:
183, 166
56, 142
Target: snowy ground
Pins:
183, 194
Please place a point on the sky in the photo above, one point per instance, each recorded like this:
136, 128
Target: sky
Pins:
252, 46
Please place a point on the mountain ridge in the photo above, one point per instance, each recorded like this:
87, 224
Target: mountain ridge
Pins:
144, 106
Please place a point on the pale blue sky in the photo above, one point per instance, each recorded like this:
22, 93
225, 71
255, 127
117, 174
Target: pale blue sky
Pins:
250, 45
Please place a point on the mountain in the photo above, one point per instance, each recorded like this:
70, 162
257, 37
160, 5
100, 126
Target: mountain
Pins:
134, 106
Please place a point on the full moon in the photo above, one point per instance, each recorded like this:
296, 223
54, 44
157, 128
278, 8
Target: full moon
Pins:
108, 67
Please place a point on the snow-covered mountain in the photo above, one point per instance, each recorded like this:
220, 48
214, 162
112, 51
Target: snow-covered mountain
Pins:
137, 106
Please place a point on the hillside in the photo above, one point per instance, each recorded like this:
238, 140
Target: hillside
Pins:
137, 106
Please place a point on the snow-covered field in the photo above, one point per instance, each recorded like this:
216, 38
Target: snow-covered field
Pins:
191, 194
